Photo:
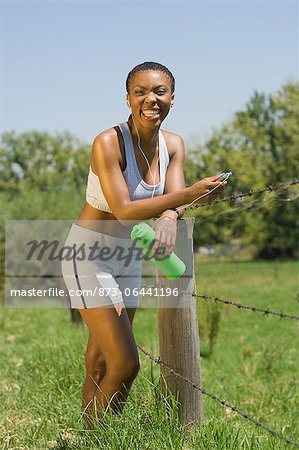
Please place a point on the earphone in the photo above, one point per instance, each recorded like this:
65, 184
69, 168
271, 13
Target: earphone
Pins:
223, 178
139, 146
145, 157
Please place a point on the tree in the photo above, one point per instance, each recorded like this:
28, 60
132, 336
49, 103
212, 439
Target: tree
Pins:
41, 177
36, 159
260, 146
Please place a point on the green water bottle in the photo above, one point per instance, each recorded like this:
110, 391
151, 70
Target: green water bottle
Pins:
172, 266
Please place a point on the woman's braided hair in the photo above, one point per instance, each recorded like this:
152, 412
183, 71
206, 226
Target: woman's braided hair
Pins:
150, 66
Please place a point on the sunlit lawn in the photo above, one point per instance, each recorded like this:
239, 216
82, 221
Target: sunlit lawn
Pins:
253, 365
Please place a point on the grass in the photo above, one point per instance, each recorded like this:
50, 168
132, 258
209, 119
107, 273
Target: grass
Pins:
253, 365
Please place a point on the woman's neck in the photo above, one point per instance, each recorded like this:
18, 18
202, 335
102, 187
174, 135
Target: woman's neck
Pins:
148, 138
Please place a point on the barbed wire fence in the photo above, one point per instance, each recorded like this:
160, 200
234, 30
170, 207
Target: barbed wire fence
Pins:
216, 398
254, 204
277, 187
234, 203
214, 298
266, 312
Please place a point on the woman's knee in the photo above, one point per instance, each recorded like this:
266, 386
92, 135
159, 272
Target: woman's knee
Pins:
95, 363
124, 369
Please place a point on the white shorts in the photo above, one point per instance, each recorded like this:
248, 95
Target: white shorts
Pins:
100, 270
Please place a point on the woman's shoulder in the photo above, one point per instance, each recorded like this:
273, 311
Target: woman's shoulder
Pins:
108, 136
105, 147
174, 142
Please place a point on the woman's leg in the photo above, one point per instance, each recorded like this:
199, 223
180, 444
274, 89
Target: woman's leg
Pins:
96, 367
108, 379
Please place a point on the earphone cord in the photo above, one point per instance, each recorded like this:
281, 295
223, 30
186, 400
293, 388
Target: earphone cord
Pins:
146, 160
201, 196
154, 178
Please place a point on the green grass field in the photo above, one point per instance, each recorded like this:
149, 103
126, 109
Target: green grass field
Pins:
253, 365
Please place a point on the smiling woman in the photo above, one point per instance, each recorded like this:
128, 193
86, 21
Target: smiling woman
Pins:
149, 86
136, 173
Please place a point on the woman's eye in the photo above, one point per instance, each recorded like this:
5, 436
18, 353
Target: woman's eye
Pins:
138, 92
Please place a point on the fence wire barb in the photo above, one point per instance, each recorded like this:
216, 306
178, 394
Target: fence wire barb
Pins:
234, 197
214, 298
255, 204
215, 397
266, 311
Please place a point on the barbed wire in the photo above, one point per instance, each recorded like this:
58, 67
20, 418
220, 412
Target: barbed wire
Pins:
254, 205
234, 197
266, 312
214, 298
216, 398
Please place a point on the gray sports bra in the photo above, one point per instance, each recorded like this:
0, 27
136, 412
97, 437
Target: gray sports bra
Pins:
137, 187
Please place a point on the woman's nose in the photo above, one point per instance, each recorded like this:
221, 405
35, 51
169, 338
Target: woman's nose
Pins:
151, 98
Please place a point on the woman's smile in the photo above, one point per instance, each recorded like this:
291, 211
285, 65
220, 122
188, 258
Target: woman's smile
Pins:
151, 113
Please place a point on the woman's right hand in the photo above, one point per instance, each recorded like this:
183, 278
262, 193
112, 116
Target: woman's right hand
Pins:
204, 186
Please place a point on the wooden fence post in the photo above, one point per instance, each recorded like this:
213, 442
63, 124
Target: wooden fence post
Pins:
178, 332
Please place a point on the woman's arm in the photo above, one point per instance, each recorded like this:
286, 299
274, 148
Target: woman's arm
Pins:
106, 162
175, 180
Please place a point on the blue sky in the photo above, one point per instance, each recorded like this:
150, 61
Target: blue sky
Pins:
64, 63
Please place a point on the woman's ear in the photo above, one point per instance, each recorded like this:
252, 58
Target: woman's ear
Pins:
128, 101
172, 100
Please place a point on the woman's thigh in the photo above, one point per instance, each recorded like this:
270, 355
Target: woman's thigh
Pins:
93, 352
111, 334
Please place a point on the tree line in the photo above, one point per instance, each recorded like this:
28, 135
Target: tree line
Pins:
44, 176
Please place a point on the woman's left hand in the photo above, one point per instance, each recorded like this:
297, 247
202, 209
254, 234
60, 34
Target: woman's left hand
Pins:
166, 232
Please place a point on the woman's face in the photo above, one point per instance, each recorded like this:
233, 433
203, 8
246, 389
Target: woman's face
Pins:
150, 97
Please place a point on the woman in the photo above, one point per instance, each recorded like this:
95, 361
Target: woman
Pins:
136, 173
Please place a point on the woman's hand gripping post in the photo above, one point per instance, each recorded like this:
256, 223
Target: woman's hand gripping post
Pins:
165, 228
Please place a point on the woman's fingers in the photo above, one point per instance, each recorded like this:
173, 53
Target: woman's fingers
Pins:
163, 246
214, 183
218, 185
166, 231
119, 307
169, 241
215, 177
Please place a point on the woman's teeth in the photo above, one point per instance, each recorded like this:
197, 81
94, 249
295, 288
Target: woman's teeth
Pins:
151, 112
